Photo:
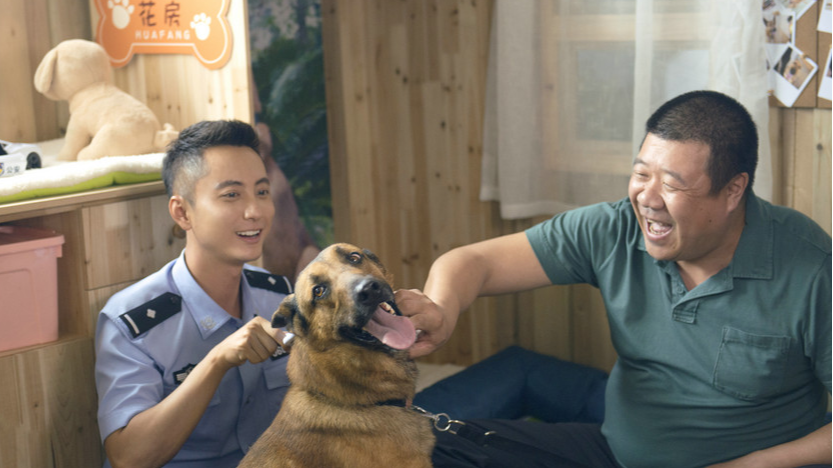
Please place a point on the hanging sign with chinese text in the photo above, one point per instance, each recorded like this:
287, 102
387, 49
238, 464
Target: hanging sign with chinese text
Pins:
198, 27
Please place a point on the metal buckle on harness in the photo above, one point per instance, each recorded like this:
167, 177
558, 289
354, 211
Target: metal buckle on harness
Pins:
442, 421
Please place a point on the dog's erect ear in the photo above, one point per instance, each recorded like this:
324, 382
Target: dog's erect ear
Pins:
278, 320
285, 313
373, 258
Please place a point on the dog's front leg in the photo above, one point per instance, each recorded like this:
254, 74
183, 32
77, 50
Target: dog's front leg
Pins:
76, 139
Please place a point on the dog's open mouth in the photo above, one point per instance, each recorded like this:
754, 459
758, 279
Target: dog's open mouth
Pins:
388, 326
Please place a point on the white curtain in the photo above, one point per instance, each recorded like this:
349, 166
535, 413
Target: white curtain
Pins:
572, 82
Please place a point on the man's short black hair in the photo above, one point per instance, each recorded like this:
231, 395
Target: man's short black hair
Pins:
720, 122
184, 164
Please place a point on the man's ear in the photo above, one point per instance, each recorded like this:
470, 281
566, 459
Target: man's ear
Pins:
735, 190
179, 209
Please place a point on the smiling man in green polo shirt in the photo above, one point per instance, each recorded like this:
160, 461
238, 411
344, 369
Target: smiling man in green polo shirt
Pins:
719, 306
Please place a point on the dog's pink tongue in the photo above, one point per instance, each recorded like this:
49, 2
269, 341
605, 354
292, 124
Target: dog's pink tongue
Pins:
393, 330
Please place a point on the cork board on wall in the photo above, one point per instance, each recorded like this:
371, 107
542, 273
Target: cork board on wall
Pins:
815, 45
823, 50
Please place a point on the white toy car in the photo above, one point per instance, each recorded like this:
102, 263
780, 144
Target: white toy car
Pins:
15, 158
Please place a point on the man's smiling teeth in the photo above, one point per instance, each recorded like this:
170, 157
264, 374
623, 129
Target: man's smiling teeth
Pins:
658, 228
248, 233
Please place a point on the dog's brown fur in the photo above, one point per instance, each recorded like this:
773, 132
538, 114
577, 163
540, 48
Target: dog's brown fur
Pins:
337, 412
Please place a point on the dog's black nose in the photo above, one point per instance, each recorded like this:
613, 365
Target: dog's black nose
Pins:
369, 292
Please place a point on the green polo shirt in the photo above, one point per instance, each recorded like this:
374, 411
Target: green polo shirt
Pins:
737, 364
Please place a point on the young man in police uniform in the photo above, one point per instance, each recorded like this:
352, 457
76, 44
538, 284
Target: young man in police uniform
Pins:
188, 368
719, 306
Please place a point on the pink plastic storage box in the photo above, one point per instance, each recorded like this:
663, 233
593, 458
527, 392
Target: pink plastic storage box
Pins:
29, 281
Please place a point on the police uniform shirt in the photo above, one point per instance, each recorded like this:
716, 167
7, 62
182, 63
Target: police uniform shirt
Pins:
150, 335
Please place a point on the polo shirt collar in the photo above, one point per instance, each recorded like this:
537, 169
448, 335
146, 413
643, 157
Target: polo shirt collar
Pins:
207, 314
753, 256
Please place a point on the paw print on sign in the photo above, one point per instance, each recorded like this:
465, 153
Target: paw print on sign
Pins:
121, 9
201, 26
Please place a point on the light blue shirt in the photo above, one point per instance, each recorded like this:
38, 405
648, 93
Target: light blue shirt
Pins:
152, 333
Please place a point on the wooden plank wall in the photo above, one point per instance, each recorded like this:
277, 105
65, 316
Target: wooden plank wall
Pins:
405, 89
802, 147
405, 84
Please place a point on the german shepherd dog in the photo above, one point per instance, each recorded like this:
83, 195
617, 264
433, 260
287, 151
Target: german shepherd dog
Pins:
351, 377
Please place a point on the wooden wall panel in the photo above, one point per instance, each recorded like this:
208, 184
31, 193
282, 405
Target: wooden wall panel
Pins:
15, 50
802, 150
128, 240
405, 86
98, 298
42, 427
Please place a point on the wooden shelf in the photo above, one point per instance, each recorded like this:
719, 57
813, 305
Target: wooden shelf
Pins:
62, 203
62, 340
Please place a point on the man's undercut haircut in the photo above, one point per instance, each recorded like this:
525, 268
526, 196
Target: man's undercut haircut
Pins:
718, 121
184, 164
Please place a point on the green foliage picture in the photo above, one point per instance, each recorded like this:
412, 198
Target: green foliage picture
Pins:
288, 71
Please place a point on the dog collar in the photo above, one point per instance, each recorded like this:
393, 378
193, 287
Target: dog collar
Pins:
399, 403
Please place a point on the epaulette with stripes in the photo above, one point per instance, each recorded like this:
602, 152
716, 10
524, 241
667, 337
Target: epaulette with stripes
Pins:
151, 313
276, 283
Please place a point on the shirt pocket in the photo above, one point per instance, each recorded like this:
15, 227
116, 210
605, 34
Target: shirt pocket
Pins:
751, 367
277, 383
208, 435
274, 373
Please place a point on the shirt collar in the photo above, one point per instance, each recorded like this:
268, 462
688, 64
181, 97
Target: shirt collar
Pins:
207, 314
753, 255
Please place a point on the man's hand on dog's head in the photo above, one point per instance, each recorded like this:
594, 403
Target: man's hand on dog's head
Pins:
432, 325
255, 342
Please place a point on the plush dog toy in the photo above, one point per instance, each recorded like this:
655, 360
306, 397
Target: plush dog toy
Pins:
104, 120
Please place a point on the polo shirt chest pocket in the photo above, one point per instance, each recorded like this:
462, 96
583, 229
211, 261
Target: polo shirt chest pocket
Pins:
751, 367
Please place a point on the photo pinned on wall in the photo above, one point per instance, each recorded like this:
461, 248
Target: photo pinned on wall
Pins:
826, 86
826, 17
792, 72
778, 26
796, 7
